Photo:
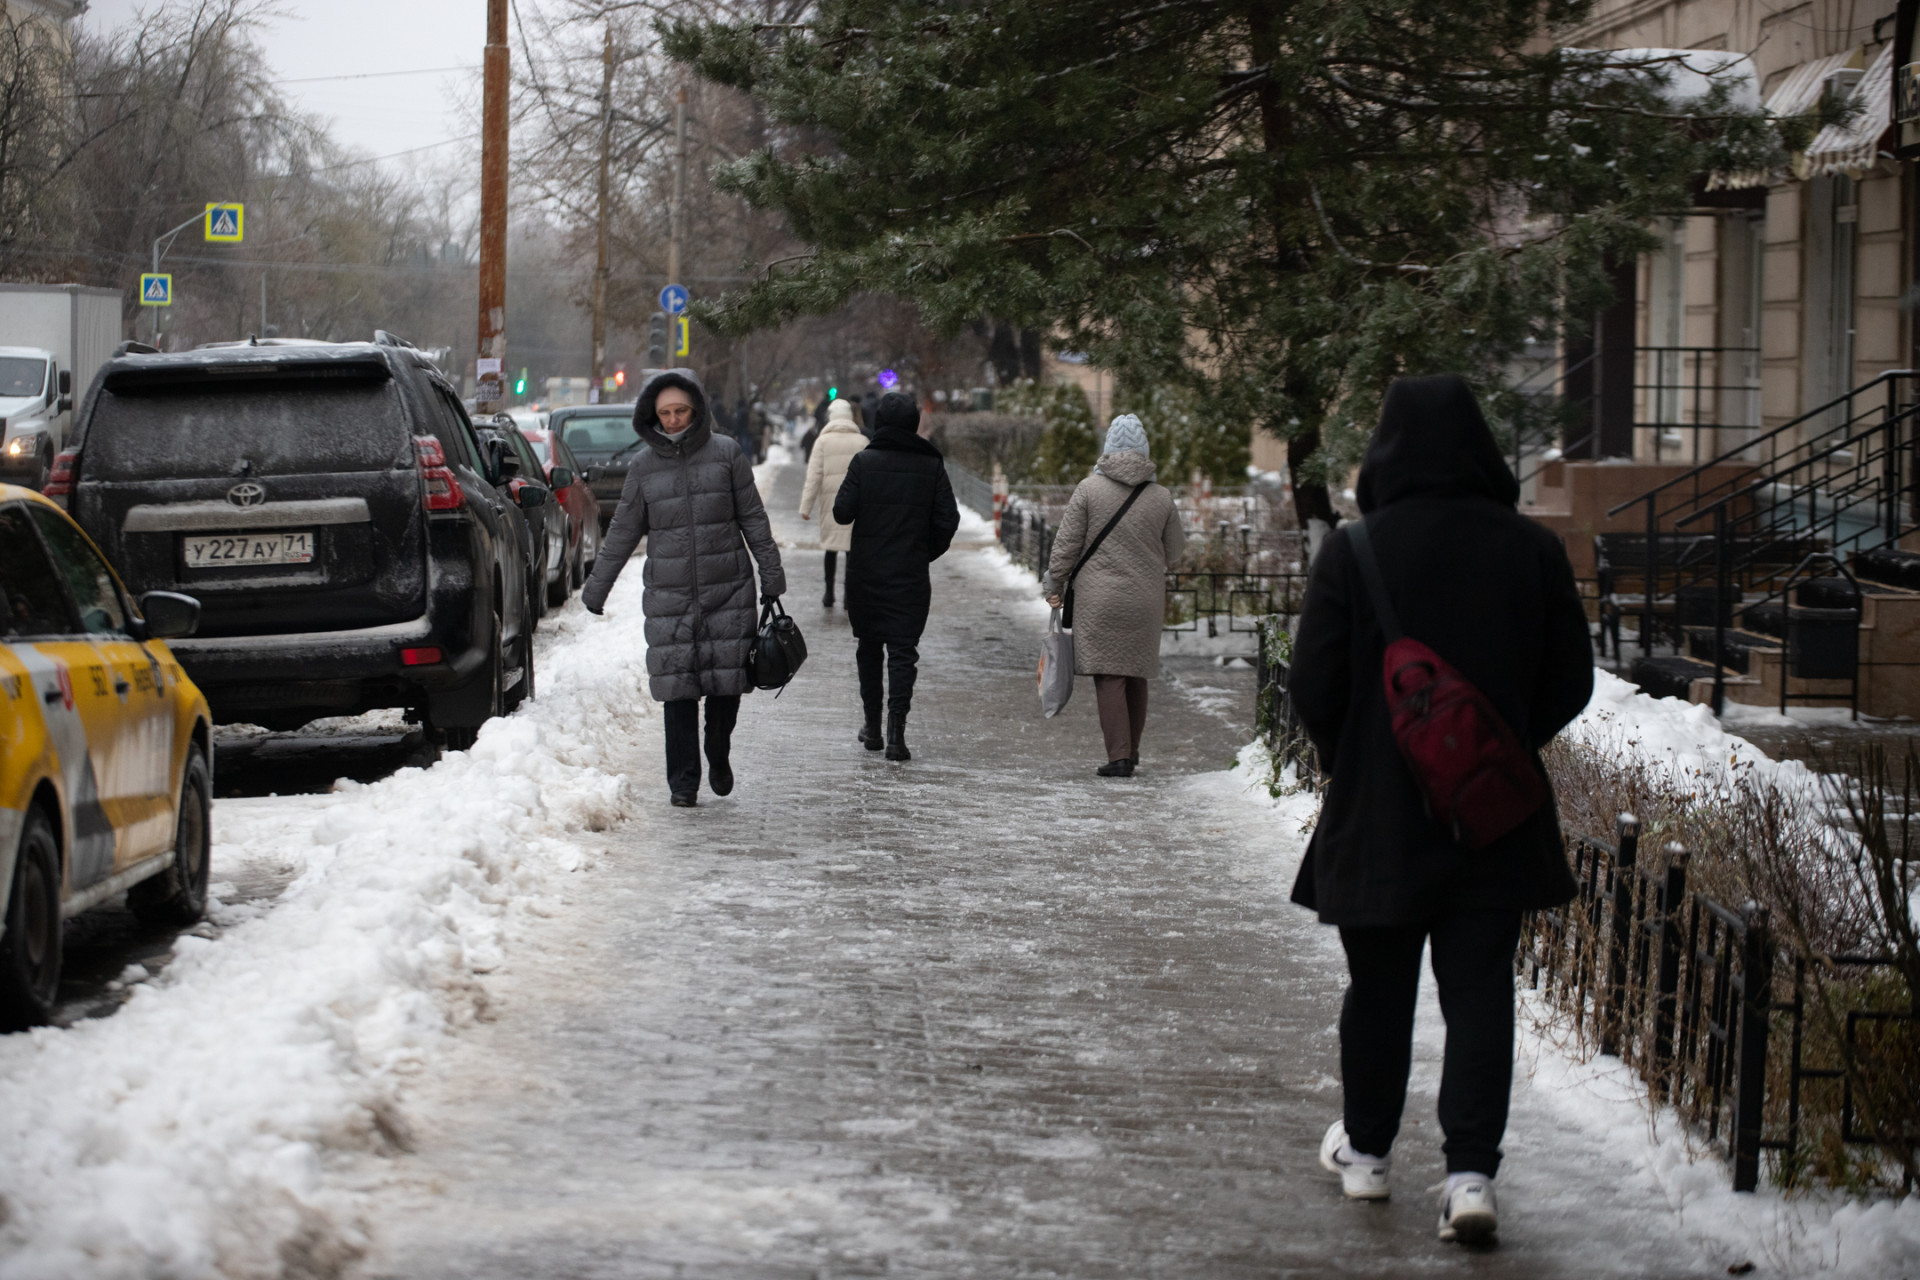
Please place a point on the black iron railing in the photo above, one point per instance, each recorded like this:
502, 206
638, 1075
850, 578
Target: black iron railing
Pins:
1684, 990
1789, 504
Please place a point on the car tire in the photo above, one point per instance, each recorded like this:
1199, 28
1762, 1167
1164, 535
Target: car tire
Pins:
30, 951
462, 737
177, 897
562, 584
523, 691
42, 468
580, 559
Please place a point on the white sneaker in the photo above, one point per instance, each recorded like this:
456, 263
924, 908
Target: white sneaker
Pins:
1467, 1212
1361, 1177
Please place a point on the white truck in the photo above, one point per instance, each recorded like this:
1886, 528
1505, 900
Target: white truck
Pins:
53, 339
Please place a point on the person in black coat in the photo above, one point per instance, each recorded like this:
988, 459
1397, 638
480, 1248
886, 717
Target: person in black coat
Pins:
1492, 593
900, 503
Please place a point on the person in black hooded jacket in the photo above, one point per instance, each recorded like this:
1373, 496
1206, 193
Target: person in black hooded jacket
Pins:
1492, 593
900, 503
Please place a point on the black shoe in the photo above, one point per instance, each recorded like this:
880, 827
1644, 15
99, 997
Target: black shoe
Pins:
719, 776
1121, 768
684, 800
1133, 762
870, 735
897, 738
826, 601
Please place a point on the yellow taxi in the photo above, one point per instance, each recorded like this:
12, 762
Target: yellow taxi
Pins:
106, 781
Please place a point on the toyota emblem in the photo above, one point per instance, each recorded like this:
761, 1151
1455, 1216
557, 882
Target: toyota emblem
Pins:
247, 494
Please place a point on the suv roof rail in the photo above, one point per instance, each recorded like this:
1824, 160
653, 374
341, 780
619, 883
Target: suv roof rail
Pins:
384, 339
132, 348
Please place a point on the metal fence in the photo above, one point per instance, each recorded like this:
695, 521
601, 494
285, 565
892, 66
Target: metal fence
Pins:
1684, 989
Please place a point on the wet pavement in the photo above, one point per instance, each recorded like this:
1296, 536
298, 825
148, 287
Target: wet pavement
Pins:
982, 1014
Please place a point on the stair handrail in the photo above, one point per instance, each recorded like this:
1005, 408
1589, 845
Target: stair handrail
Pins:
1790, 425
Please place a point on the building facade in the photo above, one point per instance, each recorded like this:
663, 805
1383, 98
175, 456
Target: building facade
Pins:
1776, 292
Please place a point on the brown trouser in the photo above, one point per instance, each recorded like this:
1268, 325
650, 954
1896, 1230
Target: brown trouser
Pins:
1123, 713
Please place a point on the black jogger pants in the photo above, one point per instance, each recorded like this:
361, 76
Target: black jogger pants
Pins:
832, 558
683, 738
902, 661
1473, 965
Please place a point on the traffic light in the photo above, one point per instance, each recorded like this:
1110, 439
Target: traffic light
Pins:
833, 393
520, 383
620, 377
657, 340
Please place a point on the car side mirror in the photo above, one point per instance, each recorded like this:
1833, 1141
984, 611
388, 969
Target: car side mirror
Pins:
530, 496
168, 615
559, 477
596, 474
506, 463
66, 382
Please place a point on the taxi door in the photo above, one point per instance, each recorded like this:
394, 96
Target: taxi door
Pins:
66, 679
136, 784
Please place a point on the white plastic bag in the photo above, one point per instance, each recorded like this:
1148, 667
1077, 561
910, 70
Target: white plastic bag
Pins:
1056, 668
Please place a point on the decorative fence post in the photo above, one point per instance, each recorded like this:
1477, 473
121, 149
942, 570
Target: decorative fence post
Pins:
1673, 896
1750, 1086
1619, 933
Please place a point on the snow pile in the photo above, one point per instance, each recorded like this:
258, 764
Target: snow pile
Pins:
1808, 1233
1682, 739
189, 1135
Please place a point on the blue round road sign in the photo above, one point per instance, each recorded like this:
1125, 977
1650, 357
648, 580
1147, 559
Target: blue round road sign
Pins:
673, 299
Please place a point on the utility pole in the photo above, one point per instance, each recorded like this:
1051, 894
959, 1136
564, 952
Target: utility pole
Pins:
677, 225
491, 366
600, 270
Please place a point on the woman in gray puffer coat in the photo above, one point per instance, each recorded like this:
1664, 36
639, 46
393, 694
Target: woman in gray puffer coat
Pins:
1120, 594
692, 496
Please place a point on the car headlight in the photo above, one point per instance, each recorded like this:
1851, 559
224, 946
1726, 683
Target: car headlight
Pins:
19, 445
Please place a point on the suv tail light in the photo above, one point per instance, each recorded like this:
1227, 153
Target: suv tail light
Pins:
441, 489
60, 479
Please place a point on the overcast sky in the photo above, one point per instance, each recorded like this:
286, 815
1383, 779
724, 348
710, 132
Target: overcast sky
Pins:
383, 114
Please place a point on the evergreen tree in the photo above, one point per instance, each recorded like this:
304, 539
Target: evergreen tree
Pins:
1279, 206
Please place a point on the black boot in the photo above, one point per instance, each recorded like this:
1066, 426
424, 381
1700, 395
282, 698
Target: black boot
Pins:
897, 736
870, 732
720, 775
1121, 768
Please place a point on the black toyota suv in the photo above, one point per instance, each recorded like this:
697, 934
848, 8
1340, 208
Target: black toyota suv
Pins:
334, 511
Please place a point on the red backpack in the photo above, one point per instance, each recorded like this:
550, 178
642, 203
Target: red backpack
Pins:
1478, 779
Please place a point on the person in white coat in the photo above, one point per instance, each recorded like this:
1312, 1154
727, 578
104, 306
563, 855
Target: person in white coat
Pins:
839, 440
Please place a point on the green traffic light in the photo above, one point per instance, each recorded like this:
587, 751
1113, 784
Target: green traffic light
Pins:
833, 393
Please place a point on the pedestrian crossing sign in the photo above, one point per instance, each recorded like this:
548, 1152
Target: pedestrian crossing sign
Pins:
680, 344
156, 290
226, 222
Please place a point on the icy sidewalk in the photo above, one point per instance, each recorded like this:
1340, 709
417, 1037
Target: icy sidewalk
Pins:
983, 1014
194, 1132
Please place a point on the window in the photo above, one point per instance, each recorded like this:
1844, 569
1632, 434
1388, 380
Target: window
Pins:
21, 377
600, 434
31, 602
283, 426
95, 594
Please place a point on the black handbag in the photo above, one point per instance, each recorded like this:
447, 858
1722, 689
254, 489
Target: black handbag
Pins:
1066, 596
778, 649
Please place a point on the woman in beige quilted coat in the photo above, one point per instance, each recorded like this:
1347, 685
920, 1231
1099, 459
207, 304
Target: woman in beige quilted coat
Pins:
1120, 595
839, 440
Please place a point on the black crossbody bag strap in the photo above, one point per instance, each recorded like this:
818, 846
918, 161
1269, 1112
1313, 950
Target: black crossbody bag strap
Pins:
1370, 574
1066, 596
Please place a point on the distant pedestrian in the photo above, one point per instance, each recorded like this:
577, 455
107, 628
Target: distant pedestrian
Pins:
744, 430
1120, 593
691, 496
1490, 591
826, 468
900, 503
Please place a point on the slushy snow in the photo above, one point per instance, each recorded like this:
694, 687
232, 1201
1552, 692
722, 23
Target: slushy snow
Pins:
190, 1134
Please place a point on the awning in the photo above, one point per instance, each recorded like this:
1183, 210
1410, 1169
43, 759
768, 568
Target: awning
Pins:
1800, 92
1796, 95
1840, 148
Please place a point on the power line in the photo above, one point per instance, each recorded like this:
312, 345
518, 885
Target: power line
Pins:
376, 75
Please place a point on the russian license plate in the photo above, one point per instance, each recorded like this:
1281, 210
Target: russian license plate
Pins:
234, 551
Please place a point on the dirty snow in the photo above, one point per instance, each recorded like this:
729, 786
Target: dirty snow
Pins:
191, 1133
